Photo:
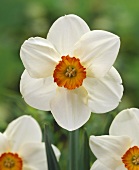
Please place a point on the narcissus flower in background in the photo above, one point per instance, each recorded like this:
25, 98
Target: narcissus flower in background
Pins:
21, 147
70, 73
120, 149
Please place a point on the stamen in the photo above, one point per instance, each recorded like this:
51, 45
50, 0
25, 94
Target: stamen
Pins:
135, 160
9, 163
70, 72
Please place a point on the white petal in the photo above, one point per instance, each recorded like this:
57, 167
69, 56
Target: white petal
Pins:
127, 123
121, 167
69, 108
26, 167
97, 165
66, 31
34, 155
37, 92
109, 149
104, 93
4, 144
56, 151
22, 130
97, 51
39, 57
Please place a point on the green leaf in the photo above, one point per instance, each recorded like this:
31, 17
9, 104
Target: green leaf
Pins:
73, 163
84, 156
51, 158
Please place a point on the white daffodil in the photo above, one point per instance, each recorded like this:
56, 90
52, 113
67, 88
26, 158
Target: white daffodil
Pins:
21, 147
120, 149
70, 73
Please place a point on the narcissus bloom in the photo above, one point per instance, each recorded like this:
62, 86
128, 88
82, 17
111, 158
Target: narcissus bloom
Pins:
119, 150
70, 72
21, 147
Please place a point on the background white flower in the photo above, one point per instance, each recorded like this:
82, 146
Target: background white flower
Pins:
21, 146
120, 149
70, 72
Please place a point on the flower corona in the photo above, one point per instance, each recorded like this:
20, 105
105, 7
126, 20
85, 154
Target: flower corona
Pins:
131, 158
10, 161
69, 73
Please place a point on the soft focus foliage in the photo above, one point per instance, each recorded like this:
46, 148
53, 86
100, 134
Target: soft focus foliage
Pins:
23, 19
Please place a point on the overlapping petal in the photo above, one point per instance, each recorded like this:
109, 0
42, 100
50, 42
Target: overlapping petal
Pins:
22, 130
66, 31
109, 149
105, 93
97, 51
126, 123
69, 108
36, 158
4, 144
34, 154
97, 165
39, 57
37, 92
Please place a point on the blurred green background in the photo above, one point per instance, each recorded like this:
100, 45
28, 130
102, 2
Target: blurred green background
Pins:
20, 19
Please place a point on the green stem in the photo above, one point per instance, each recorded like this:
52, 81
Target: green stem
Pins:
51, 158
73, 150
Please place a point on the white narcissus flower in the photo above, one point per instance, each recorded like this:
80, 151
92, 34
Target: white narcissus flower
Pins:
21, 147
70, 73
120, 149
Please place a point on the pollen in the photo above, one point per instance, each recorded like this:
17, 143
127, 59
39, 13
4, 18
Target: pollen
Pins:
10, 161
131, 158
69, 73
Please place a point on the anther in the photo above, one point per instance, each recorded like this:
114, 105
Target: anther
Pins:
9, 163
135, 160
70, 72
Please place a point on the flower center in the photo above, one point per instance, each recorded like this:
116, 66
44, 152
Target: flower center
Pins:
131, 158
10, 161
69, 73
